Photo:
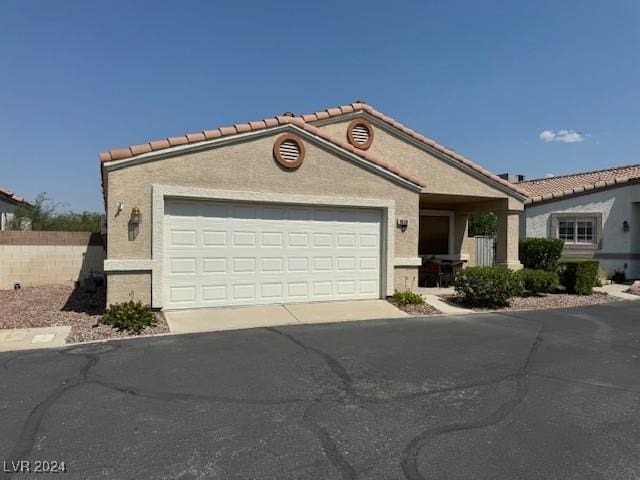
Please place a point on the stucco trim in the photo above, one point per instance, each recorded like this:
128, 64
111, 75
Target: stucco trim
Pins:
378, 123
407, 262
132, 265
237, 138
161, 192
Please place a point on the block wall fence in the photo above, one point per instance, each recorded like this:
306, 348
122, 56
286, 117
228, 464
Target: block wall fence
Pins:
48, 258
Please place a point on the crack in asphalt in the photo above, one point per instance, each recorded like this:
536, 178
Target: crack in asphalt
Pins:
334, 365
329, 446
27, 438
409, 462
591, 383
353, 397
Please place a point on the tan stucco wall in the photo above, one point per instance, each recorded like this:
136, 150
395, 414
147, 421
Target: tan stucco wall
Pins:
405, 278
125, 286
441, 178
246, 166
37, 265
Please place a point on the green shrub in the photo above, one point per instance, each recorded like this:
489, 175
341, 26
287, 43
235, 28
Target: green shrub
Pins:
408, 297
538, 281
487, 287
131, 316
540, 253
578, 275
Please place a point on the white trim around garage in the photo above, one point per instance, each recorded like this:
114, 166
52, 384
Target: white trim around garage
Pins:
160, 192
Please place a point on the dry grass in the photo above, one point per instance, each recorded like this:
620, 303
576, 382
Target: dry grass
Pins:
61, 305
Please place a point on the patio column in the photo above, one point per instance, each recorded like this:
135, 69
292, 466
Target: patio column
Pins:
507, 235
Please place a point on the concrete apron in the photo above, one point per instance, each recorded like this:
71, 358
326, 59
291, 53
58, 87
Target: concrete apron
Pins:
30, 338
235, 318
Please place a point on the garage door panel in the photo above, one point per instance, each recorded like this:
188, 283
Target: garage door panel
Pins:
226, 253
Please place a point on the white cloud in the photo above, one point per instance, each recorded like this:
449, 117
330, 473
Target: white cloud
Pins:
565, 136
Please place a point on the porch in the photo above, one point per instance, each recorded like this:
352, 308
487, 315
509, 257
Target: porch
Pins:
444, 225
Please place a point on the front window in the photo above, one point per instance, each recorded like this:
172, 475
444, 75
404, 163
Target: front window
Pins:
577, 230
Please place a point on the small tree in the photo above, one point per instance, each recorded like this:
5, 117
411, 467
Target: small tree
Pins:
42, 216
482, 224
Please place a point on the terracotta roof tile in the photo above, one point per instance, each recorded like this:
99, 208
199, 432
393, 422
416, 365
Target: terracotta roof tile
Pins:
209, 134
195, 137
227, 131
564, 185
140, 149
175, 141
159, 144
243, 127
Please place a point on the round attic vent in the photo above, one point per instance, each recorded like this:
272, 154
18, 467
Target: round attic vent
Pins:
289, 151
360, 134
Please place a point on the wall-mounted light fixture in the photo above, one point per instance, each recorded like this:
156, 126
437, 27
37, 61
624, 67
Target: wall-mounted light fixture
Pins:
625, 226
134, 223
135, 216
403, 224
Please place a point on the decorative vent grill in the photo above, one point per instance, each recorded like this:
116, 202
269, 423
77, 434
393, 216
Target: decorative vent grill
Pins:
360, 134
289, 151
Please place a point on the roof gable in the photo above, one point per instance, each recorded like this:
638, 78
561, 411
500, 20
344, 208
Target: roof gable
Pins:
307, 131
306, 122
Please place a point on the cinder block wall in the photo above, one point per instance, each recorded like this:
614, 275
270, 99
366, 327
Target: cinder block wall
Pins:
48, 258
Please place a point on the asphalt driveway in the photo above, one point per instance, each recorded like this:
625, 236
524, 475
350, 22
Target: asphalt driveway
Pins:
530, 395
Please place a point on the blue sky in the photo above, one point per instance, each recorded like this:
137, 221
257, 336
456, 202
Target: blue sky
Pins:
485, 78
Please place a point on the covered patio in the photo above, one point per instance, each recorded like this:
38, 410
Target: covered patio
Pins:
444, 223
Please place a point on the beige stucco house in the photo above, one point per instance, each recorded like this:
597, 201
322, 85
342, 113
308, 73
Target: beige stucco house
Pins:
338, 204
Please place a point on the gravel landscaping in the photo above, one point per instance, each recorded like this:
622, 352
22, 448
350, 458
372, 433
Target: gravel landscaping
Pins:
61, 305
545, 301
411, 309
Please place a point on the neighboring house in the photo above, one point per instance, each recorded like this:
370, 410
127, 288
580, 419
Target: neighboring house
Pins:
9, 201
337, 204
597, 214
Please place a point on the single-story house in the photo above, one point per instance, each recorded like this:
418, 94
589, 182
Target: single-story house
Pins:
597, 214
337, 204
9, 201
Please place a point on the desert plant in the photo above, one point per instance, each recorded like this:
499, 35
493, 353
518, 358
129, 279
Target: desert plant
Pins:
408, 297
578, 275
131, 316
487, 287
538, 281
540, 253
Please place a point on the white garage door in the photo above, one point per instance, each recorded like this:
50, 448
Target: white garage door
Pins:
224, 253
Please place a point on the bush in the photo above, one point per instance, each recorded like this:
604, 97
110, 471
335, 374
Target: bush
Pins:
538, 281
579, 275
540, 253
487, 287
408, 297
131, 316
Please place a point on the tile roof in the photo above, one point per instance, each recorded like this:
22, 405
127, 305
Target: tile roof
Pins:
541, 189
8, 195
304, 121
